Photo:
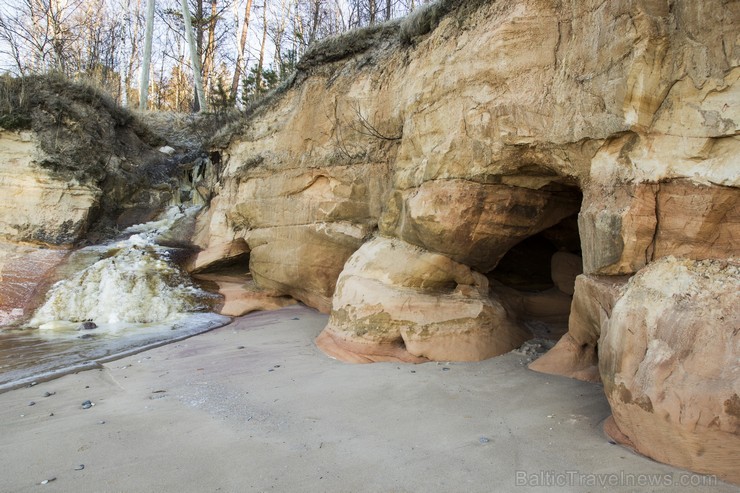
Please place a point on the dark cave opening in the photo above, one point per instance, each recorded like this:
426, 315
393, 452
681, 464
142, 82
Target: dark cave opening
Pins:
535, 279
527, 266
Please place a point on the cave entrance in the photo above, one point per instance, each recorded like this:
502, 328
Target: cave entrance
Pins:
223, 269
535, 279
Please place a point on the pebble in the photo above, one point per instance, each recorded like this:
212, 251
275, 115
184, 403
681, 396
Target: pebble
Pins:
32, 384
87, 405
47, 481
80, 467
295, 318
101, 422
483, 440
87, 326
85, 336
31, 403
240, 347
49, 394
445, 369
51, 414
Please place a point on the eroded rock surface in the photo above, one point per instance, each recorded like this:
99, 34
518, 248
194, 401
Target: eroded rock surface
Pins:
396, 301
395, 172
575, 354
35, 205
668, 357
388, 181
241, 295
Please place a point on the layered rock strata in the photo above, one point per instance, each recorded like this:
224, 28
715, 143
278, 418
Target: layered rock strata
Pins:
393, 174
387, 182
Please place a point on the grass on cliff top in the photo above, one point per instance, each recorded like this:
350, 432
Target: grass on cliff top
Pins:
20, 96
421, 21
77, 124
406, 30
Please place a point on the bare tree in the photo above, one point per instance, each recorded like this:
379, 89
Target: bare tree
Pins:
200, 102
146, 64
132, 29
263, 44
240, 51
41, 33
209, 51
104, 39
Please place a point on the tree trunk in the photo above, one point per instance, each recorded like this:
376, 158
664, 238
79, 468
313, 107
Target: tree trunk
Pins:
240, 52
198, 21
134, 53
277, 38
258, 79
316, 6
373, 10
144, 85
210, 49
200, 100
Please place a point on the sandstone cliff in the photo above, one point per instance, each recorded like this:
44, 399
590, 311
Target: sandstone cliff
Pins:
421, 183
451, 185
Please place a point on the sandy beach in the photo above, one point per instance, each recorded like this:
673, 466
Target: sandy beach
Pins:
254, 406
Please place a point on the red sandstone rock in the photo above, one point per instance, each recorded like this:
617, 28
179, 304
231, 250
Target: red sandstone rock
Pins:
575, 354
668, 357
242, 295
24, 276
564, 268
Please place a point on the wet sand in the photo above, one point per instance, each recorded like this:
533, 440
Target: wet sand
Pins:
254, 406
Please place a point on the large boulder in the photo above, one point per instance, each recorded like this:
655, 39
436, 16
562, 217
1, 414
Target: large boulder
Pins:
396, 301
668, 357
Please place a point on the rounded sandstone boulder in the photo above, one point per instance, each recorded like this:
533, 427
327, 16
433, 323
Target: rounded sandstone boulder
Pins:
398, 302
668, 357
